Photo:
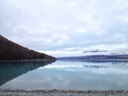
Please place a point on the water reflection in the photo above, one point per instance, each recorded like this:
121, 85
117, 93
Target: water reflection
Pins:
72, 75
95, 66
12, 69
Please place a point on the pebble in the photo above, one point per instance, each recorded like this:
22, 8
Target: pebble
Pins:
9, 92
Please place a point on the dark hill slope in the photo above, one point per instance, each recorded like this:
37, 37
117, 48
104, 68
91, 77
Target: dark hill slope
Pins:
12, 51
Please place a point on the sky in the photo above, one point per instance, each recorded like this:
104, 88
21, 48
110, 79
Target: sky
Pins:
60, 27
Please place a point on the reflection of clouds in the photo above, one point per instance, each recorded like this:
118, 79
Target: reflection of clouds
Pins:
73, 76
98, 68
63, 79
62, 66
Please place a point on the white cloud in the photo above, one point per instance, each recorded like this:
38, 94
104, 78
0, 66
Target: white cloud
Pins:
65, 24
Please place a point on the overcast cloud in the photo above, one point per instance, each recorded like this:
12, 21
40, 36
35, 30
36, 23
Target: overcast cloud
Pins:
66, 25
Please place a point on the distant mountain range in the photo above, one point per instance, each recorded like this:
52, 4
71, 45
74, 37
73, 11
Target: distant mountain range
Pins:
12, 51
97, 58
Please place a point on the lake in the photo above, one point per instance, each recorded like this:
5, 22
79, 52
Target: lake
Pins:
64, 74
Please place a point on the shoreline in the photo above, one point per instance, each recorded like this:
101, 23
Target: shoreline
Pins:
55, 92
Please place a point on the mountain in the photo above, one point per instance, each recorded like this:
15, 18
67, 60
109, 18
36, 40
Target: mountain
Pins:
12, 51
97, 58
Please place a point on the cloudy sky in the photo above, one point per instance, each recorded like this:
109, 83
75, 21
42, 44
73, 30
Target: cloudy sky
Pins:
63, 26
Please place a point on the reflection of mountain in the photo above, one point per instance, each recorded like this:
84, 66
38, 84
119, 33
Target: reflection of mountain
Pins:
10, 70
95, 66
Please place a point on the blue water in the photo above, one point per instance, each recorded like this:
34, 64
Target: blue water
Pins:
67, 75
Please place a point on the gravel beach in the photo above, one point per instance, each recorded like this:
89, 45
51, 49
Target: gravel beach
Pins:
8, 92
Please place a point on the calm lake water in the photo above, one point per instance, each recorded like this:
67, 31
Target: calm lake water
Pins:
72, 75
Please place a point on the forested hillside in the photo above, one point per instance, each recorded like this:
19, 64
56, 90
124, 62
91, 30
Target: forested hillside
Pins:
12, 51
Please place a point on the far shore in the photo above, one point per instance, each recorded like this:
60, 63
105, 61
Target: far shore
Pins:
70, 59
93, 60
